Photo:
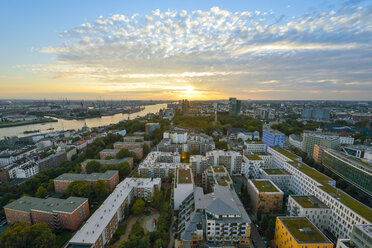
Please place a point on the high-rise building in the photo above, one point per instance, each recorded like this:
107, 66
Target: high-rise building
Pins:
316, 114
185, 106
351, 169
321, 139
234, 106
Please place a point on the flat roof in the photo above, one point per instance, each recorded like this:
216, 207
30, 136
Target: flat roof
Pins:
184, 176
87, 177
303, 231
275, 172
110, 161
133, 137
311, 172
253, 157
110, 151
219, 168
285, 153
265, 186
26, 203
309, 201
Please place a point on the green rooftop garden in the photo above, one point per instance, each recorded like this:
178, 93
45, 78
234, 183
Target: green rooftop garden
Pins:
349, 201
314, 174
285, 153
184, 176
265, 186
274, 172
306, 202
253, 157
303, 231
218, 169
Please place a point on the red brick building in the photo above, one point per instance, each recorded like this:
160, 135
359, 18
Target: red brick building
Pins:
56, 213
111, 177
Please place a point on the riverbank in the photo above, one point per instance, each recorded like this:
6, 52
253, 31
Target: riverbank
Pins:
23, 123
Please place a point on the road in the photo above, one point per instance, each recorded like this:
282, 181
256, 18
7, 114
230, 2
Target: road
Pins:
256, 237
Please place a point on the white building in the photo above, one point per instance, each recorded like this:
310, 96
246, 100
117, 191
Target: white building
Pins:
27, 171
345, 210
295, 141
311, 207
177, 137
232, 160
279, 177
102, 224
160, 164
254, 146
252, 165
183, 186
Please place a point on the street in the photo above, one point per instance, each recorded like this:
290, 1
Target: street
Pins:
256, 237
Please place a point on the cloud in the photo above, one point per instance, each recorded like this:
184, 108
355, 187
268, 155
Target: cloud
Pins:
240, 53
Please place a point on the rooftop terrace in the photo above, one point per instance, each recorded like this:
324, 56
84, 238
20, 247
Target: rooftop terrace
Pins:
218, 169
303, 231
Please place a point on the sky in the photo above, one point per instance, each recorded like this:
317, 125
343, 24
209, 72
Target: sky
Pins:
200, 50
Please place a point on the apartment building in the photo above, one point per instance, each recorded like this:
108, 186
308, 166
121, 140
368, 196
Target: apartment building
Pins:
183, 186
217, 218
353, 170
232, 160
133, 139
345, 210
102, 224
111, 177
265, 196
216, 175
128, 145
254, 146
310, 207
151, 127
325, 140
272, 137
111, 153
298, 232
279, 177
160, 164
361, 237
56, 213
252, 163
113, 161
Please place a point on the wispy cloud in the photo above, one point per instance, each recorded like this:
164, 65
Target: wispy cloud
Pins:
242, 53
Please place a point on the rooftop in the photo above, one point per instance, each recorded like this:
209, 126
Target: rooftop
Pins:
87, 177
26, 203
316, 175
309, 201
218, 169
253, 157
349, 201
303, 231
285, 153
184, 176
265, 186
275, 172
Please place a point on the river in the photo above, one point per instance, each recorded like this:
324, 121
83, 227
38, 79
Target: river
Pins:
76, 124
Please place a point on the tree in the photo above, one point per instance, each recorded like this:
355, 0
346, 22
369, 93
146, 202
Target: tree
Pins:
170, 177
123, 153
194, 152
136, 175
138, 206
264, 222
146, 149
270, 231
93, 166
50, 187
101, 190
157, 200
124, 170
20, 235
79, 188
41, 192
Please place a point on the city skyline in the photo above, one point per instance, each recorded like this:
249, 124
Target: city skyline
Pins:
197, 50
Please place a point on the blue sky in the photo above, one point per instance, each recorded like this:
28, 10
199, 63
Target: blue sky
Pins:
249, 49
